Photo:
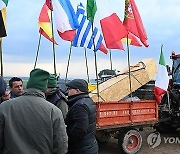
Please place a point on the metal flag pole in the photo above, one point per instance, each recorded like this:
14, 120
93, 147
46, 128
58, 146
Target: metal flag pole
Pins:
37, 53
87, 70
69, 58
129, 73
53, 45
95, 60
1, 56
110, 56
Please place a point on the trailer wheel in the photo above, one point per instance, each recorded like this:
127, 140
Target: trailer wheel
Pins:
130, 141
102, 136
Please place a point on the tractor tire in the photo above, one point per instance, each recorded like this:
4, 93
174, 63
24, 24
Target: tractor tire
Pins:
130, 141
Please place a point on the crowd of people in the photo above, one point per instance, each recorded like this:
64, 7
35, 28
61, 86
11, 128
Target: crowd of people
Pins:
41, 119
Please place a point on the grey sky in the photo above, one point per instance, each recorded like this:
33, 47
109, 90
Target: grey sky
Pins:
161, 19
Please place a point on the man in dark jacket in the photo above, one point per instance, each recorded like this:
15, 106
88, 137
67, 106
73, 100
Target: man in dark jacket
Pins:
55, 95
16, 87
81, 119
3, 87
31, 125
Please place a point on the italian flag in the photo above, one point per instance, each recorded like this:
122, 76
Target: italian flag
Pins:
162, 79
107, 21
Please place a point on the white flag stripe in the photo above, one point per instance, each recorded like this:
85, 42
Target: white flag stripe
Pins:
60, 15
97, 37
88, 38
162, 78
82, 32
80, 18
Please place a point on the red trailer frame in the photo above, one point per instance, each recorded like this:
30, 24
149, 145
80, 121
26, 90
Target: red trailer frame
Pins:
120, 113
123, 120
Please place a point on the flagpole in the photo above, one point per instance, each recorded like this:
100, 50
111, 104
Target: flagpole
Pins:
129, 73
87, 70
95, 60
53, 45
69, 58
110, 56
1, 56
37, 53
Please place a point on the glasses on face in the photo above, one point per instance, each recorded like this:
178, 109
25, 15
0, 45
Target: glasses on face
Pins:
69, 88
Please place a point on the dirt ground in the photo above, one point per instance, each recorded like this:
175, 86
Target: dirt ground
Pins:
164, 148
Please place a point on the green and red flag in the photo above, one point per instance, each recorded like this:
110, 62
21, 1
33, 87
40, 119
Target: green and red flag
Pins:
108, 22
133, 22
162, 79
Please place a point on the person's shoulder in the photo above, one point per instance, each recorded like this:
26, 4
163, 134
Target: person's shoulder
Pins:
80, 106
6, 104
51, 106
56, 112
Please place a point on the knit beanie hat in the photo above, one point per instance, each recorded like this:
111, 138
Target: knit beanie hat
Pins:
3, 86
80, 84
52, 82
38, 79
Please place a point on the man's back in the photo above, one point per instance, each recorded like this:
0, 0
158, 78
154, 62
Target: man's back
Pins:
31, 126
57, 98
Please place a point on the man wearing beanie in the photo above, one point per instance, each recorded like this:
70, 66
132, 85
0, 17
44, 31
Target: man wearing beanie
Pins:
31, 125
55, 95
81, 119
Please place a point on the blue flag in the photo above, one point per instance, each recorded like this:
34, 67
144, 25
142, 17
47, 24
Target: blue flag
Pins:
84, 37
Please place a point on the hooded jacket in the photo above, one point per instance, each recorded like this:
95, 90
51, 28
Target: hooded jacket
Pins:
31, 125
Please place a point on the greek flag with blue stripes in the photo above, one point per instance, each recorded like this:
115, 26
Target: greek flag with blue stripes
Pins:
84, 37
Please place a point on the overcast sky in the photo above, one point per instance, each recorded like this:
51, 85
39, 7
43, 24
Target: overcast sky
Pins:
161, 20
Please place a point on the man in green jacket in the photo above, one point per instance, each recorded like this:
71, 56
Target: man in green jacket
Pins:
31, 125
